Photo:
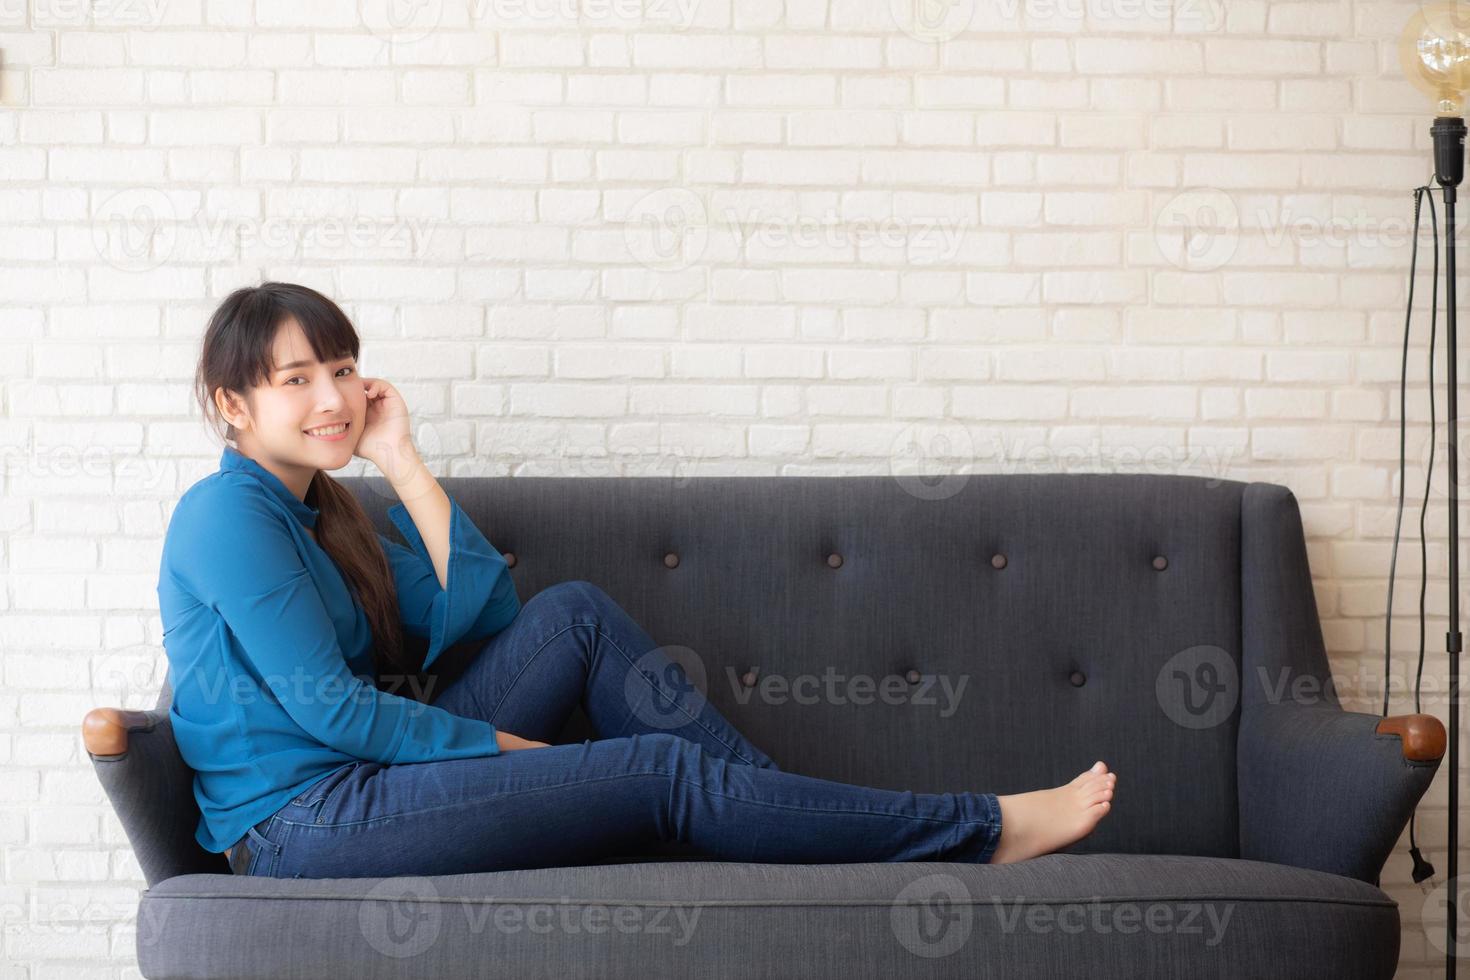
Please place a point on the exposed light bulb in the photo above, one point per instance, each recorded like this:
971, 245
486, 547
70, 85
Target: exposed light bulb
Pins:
1434, 52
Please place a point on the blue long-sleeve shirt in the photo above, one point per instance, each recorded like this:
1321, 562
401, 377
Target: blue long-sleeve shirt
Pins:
270, 657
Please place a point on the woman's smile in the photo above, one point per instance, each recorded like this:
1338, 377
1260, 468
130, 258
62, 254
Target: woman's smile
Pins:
330, 433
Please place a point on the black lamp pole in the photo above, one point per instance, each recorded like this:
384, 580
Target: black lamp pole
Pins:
1449, 169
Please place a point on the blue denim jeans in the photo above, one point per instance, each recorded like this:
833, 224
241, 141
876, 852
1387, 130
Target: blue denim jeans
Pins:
667, 766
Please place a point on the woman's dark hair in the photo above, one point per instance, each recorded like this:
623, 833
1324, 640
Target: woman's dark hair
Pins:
237, 355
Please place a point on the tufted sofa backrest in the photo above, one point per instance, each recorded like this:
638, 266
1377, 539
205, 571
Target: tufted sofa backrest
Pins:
983, 632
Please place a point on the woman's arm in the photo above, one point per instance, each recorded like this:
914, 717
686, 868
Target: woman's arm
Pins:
426, 502
387, 443
480, 599
474, 596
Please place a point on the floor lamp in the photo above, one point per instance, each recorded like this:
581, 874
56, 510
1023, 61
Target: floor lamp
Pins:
1434, 52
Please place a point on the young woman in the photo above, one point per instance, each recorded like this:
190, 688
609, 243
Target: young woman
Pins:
284, 610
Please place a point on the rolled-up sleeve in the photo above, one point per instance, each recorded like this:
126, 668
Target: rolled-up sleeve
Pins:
235, 554
480, 598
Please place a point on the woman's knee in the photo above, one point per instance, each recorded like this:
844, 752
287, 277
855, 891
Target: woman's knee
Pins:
575, 595
560, 605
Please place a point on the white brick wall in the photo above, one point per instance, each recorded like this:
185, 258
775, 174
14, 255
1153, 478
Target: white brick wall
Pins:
754, 237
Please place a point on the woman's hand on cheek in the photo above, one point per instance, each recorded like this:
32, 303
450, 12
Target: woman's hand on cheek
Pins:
385, 439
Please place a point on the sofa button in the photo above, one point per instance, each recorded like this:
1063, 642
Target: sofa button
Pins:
510, 559
1078, 678
671, 560
1160, 562
997, 561
748, 678
834, 560
912, 677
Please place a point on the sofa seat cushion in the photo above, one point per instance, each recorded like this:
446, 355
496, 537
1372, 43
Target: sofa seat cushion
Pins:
1098, 915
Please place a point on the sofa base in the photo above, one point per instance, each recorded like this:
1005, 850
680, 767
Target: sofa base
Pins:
1094, 915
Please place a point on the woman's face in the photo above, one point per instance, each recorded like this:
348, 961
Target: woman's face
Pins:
301, 393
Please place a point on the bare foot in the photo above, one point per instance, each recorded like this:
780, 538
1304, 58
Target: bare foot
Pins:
1038, 823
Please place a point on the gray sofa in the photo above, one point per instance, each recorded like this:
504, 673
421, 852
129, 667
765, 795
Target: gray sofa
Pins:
1022, 625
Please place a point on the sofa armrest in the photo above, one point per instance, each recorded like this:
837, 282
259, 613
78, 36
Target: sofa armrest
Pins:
1324, 788
105, 730
1422, 736
150, 788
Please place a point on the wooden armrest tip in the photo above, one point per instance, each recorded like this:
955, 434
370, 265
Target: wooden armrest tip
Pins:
1423, 736
105, 730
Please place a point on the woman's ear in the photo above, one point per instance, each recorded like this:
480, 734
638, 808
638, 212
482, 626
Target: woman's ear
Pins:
230, 408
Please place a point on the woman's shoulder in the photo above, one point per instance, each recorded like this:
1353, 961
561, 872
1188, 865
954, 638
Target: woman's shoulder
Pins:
224, 529
220, 488
222, 503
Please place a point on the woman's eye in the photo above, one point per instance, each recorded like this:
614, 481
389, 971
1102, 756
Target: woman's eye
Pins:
297, 377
